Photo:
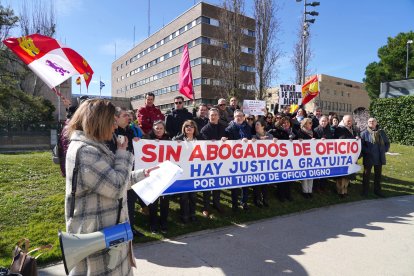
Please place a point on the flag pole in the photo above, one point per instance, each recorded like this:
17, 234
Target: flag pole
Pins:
100, 87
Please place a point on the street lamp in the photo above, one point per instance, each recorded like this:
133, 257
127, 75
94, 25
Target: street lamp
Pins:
406, 64
305, 32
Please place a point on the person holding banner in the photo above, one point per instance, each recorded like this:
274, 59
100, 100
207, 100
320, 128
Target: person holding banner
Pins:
306, 132
239, 129
345, 131
283, 191
189, 132
260, 192
157, 133
323, 131
101, 184
213, 131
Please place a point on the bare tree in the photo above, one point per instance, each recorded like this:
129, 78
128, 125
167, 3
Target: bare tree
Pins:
231, 22
267, 51
297, 53
7, 21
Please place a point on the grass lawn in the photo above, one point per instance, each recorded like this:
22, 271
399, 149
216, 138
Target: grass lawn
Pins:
32, 202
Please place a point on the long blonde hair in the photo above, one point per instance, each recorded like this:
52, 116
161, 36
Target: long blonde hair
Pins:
95, 117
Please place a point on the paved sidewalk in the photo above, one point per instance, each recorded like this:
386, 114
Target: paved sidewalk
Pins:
372, 237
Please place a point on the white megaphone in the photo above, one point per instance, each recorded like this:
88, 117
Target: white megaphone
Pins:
76, 247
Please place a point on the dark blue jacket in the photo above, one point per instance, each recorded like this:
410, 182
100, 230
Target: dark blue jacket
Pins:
374, 154
237, 132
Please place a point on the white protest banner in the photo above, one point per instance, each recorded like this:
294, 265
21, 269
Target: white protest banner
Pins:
211, 165
253, 107
290, 94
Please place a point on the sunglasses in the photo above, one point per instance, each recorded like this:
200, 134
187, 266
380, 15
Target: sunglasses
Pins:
189, 126
178, 102
250, 119
269, 117
222, 104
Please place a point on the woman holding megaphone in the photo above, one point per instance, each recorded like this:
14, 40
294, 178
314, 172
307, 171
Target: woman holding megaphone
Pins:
96, 184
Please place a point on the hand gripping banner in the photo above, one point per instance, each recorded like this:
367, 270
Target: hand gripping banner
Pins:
212, 165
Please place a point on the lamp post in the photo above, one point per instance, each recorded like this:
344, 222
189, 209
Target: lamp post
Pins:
305, 32
406, 64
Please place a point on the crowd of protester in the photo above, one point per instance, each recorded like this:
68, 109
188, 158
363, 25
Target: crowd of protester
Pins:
227, 121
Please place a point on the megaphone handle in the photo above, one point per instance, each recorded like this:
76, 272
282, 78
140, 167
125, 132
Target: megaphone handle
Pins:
113, 256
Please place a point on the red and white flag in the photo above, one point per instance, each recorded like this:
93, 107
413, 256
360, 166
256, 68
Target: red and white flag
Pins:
185, 85
48, 59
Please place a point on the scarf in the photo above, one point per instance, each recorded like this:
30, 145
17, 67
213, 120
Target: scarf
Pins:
307, 131
376, 136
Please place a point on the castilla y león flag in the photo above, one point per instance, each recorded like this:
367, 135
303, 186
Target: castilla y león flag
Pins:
48, 59
310, 89
185, 85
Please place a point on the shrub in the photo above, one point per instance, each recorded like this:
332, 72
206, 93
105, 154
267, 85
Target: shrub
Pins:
396, 117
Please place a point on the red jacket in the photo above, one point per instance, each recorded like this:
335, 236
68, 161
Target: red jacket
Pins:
147, 115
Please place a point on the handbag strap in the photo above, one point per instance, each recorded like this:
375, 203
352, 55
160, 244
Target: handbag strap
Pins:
25, 242
44, 248
74, 183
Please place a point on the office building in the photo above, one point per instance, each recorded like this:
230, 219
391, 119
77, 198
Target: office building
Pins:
153, 64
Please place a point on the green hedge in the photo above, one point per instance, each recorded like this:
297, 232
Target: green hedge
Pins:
396, 116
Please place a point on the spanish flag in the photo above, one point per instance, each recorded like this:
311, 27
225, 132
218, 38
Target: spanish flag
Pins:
310, 90
293, 108
78, 81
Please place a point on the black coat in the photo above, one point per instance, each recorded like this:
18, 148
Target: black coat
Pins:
201, 122
175, 120
213, 132
323, 132
303, 135
341, 132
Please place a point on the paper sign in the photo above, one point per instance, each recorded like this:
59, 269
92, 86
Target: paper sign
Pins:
253, 107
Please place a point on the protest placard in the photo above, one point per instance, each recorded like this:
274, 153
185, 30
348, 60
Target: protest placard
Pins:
290, 94
254, 107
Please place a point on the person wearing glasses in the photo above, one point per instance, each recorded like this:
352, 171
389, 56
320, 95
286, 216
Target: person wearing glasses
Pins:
189, 132
250, 120
213, 131
178, 115
269, 121
224, 116
306, 132
238, 129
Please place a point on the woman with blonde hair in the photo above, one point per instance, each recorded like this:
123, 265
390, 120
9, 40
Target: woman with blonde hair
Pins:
306, 132
100, 185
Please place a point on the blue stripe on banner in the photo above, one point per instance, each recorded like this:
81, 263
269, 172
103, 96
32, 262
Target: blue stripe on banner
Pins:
234, 181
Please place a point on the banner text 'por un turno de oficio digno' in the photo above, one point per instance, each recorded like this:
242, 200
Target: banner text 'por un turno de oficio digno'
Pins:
210, 165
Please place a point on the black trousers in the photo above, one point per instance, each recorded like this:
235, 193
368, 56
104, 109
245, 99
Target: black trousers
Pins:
206, 199
283, 190
366, 178
132, 197
164, 202
260, 193
187, 205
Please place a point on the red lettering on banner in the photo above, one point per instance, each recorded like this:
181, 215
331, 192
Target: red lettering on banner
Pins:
225, 155
283, 150
212, 151
249, 152
197, 153
238, 151
148, 154
261, 150
273, 150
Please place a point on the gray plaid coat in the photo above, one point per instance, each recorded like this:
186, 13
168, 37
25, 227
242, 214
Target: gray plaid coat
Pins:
103, 178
